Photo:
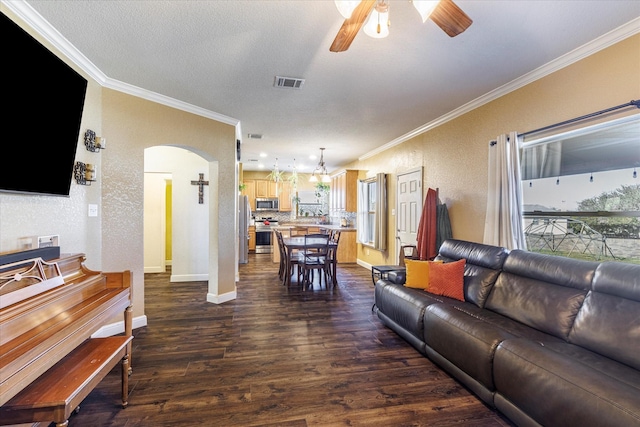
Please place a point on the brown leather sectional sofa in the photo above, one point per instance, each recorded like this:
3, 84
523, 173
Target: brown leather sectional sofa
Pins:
546, 340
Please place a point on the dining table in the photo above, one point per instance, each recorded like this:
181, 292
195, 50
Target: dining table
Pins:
294, 243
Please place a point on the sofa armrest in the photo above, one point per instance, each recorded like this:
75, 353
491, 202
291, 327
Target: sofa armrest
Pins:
397, 277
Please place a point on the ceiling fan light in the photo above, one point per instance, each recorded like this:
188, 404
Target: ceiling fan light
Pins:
425, 7
378, 24
346, 7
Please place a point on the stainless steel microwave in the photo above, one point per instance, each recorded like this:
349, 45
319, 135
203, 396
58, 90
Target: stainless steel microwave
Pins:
267, 204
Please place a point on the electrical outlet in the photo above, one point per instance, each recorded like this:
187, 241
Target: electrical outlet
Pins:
93, 210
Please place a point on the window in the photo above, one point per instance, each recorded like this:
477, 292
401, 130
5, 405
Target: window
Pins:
581, 194
372, 212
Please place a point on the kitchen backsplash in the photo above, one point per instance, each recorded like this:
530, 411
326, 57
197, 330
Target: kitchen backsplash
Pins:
286, 217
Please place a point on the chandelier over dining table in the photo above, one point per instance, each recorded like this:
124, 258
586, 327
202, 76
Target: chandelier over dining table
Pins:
320, 170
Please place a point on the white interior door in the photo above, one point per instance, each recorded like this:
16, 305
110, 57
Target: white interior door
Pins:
408, 208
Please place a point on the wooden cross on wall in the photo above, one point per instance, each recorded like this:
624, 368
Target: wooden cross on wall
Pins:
200, 183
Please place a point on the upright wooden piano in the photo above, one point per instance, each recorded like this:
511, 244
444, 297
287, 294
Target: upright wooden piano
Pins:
48, 361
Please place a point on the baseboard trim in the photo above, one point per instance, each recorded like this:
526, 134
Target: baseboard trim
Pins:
189, 278
118, 327
220, 299
364, 264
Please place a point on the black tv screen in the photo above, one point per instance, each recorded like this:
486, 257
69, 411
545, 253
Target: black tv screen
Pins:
42, 100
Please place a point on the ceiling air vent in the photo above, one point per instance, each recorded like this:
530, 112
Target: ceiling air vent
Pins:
288, 82
254, 136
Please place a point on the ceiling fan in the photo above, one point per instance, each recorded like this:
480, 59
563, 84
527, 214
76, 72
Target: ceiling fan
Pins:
445, 13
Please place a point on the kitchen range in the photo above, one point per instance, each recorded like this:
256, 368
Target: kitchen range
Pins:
263, 234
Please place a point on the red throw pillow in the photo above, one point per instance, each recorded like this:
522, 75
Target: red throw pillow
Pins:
447, 279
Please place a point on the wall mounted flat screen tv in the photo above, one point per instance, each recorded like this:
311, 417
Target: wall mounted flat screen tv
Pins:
42, 99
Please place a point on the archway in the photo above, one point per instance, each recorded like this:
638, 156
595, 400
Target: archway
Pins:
193, 213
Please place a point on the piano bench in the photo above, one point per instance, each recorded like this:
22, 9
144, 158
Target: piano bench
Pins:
59, 391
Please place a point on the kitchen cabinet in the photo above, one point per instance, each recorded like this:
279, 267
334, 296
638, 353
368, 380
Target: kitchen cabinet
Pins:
265, 188
250, 192
344, 192
285, 197
262, 188
252, 238
347, 247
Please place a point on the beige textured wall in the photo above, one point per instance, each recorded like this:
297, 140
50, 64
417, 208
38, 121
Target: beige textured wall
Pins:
303, 178
23, 215
454, 155
132, 124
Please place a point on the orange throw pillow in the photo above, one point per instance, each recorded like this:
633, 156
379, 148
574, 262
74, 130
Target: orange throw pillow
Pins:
447, 279
418, 273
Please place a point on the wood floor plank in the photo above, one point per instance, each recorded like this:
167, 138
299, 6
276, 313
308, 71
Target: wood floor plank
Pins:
277, 356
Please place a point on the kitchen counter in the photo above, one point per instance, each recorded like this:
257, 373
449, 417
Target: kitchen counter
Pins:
311, 225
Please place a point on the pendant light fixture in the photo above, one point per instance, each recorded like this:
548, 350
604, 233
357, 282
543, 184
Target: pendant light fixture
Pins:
378, 24
320, 170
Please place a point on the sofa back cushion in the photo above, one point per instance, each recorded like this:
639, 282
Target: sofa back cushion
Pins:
609, 321
542, 291
483, 264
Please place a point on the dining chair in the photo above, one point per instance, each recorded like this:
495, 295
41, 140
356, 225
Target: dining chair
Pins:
282, 250
408, 252
332, 255
287, 265
314, 257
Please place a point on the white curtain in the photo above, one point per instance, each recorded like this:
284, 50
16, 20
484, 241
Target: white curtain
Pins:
504, 225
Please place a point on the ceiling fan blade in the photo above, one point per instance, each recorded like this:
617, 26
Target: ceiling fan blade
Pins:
351, 26
448, 16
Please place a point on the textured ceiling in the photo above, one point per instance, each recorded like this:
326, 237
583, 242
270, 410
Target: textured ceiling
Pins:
223, 56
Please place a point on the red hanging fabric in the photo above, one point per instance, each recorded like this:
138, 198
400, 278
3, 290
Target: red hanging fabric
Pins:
427, 228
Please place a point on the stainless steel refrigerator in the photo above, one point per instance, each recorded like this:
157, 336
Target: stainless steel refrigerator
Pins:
244, 218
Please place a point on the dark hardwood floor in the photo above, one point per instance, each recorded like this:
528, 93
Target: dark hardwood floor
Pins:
277, 356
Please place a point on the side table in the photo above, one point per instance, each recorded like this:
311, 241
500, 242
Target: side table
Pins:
382, 271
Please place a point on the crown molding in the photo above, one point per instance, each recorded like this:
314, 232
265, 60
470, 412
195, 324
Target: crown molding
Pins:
40, 25
627, 30
169, 102
32, 18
